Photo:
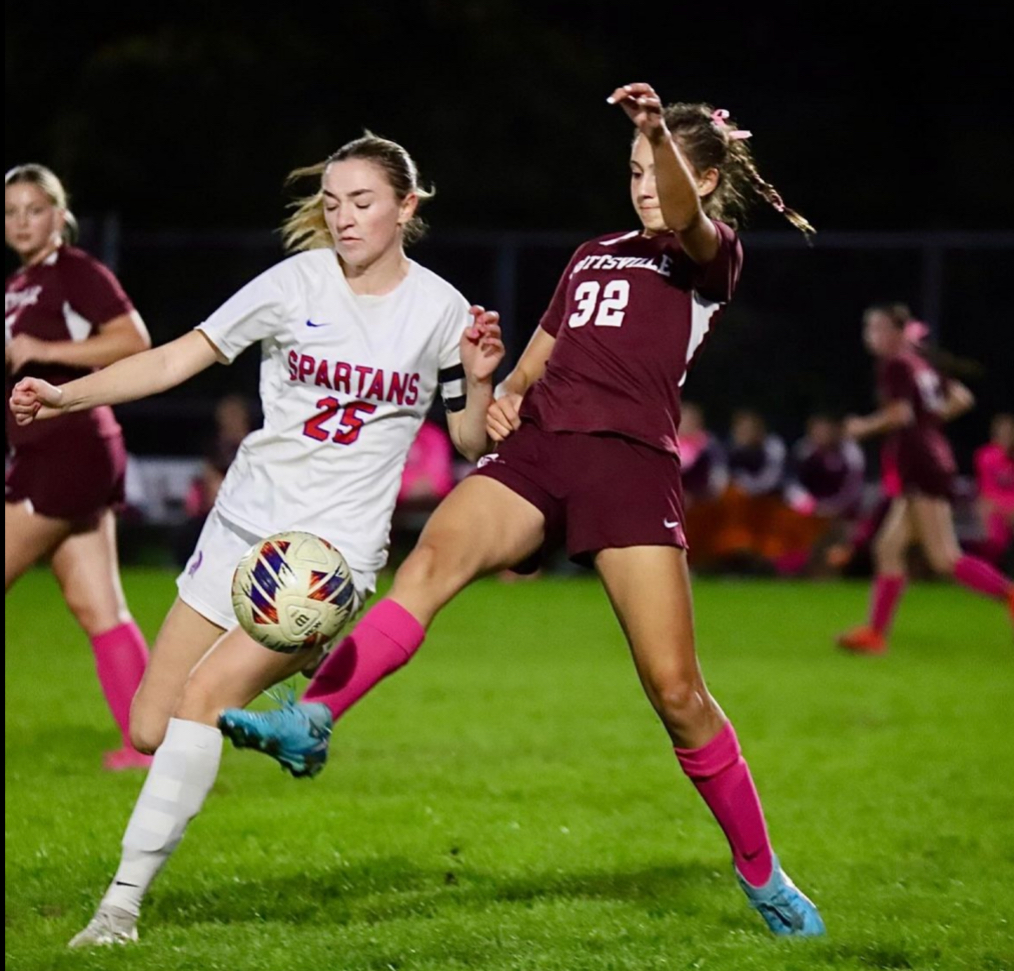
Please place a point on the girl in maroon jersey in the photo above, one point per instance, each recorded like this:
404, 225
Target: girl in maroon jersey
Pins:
915, 403
587, 431
65, 314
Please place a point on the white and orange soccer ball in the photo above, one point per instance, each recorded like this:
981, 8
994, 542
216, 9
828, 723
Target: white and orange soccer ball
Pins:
293, 590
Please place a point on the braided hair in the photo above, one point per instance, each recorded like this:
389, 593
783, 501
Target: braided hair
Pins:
709, 139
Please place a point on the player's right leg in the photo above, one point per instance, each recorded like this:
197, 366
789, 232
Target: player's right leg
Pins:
889, 550
28, 538
482, 527
184, 639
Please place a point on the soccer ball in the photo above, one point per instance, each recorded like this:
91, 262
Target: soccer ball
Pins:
292, 591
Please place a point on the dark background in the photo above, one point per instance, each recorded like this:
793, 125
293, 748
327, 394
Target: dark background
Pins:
870, 121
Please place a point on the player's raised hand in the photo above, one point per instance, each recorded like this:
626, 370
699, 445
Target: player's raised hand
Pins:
503, 416
482, 347
33, 399
643, 107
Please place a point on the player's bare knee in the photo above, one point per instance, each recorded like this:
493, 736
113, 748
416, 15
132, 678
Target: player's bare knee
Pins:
428, 566
943, 562
94, 618
146, 731
200, 703
680, 703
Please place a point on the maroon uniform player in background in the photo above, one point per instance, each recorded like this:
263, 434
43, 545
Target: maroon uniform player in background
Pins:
915, 403
65, 314
587, 436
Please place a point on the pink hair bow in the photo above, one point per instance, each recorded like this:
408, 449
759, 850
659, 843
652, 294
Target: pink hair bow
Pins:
916, 331
721, 118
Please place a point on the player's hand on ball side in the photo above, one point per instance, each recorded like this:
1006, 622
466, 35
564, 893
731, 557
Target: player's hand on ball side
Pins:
482, 347
503, 416
33, 399
643, 107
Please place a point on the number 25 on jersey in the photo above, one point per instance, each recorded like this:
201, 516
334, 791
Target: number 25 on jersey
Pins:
608, 303
349, 425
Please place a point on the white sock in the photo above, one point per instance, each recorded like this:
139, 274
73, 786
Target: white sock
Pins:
180, 778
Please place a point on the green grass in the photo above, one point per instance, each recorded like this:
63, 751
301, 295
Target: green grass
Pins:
510, 803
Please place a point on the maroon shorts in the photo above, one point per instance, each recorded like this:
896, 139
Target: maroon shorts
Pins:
925, 466
597, 491
69, 477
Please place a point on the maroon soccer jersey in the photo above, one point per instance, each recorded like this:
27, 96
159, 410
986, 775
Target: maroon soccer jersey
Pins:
68, 296
629, 315
919, 451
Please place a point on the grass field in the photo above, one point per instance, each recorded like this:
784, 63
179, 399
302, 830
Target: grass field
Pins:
509, 802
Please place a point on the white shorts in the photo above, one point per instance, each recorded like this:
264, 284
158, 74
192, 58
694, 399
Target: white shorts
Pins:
206, 582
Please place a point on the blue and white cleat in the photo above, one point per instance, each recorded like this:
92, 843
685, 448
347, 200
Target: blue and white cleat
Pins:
296, 735
786, 910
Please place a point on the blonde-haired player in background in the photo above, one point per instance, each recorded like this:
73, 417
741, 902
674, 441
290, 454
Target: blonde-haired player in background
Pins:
356, 339
66, 314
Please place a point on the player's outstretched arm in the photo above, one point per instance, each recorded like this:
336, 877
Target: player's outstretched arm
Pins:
894, 415
959, 401
675, 180
139, 376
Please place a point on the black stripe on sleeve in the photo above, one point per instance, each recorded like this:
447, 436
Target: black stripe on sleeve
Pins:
454, 373
455, 404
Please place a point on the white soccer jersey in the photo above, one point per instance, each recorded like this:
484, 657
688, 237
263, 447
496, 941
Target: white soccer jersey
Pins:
346, 380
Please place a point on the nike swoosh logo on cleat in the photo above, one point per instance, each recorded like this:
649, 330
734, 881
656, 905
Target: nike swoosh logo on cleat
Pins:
310, 323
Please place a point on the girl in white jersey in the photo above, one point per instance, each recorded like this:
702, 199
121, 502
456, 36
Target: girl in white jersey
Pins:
355, 340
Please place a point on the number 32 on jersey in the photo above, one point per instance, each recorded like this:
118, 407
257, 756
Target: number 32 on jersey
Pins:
608, 303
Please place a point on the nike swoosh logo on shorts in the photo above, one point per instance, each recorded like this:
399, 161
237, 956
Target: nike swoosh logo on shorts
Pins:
670, 525
310, 323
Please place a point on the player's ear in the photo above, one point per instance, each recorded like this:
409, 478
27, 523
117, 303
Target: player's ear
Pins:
707, 182
408, 208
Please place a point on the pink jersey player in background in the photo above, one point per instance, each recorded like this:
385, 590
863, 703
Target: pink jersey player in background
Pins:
994, 475
429, 469
915, 403
586, 432
65, 314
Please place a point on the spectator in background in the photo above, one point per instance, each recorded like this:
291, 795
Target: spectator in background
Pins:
743, 534
705, 477
994, 475
823, 494
234, 420
429, 469
756, 457
428, 477
702, 458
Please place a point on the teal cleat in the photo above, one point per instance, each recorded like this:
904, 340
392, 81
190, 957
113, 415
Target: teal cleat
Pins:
296, 735
787, 911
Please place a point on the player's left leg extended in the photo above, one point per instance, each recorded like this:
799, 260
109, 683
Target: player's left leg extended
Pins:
87, 568
649, 587
182, 774
935, 522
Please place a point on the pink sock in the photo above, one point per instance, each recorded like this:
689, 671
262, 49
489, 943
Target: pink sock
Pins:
722, 777
383, 641
121, 656
887, 591
980, 576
